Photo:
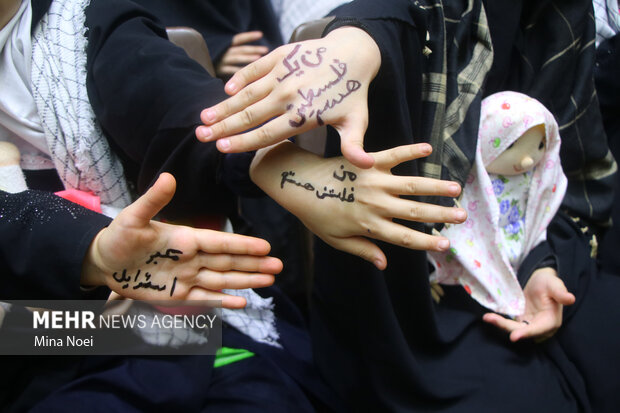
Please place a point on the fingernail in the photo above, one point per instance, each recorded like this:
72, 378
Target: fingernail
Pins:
443, 245
231, 87
203, 132
210, 115
223, 144
460, 215
427, 149
378, 264
454, 188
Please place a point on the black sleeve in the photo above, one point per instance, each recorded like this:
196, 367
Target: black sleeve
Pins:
148, 94
541, 256
219, 20
43, 241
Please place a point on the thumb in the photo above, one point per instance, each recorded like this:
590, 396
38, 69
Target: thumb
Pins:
560, 294
352, 139
153, 201
361, 247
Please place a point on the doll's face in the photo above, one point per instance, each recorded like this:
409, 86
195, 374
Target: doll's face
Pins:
523, 155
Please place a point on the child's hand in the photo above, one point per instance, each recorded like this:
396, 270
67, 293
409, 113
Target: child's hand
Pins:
298, 87
148, 260
240, 54
344, 205
545, 297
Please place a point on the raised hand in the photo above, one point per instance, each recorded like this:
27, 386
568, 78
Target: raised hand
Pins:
143, 259
545, 297
295, 88
344, 205
240, 54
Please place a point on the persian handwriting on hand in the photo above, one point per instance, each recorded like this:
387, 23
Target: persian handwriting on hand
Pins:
126, 279
170, 254
295, 67
327, 193
311, 94
331, 193
285, 178
351, 175
351, 86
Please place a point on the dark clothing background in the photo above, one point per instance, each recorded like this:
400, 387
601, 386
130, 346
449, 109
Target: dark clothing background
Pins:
147, 95
379, 338
219, 20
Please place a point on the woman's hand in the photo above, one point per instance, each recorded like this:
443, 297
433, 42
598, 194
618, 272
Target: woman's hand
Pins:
344, 205
148, 260
240, 54
545, 297
295, 88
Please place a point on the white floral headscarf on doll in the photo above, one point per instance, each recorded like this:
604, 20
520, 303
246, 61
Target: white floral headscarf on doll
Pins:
480, 255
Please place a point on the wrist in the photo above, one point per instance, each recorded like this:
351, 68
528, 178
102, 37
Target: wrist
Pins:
93, 270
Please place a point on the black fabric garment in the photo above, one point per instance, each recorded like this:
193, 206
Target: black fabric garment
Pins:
219, 20
147, 96
379, 338
43, 243
608, 89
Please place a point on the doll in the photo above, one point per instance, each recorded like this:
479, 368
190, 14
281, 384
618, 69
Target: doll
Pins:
513, 191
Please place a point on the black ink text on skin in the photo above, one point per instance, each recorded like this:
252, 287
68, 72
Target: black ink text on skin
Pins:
123, 277
295, 66
327, 192
169, 254
351, 85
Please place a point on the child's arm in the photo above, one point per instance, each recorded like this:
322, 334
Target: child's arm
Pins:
344, 205
143, 259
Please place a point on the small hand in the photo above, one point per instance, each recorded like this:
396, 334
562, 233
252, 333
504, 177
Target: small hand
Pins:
295, 88
376, 201
143, 259
240, 54
545, 297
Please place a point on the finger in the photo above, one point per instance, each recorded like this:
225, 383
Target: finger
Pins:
560, 294
421, 212
272, 132
352, 138
227, 71
362, 248
218, 299
253, 72
247, 50
402, 236
240, 59
212, 116
233, 280
248, 118
216, 242
246, 37
407, 185
538, 328
502, 323
245, 263
149, 204
389, 158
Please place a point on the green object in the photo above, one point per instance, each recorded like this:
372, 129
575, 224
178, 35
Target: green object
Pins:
227, 355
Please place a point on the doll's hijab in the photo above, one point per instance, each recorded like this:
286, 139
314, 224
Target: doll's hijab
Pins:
476, 259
